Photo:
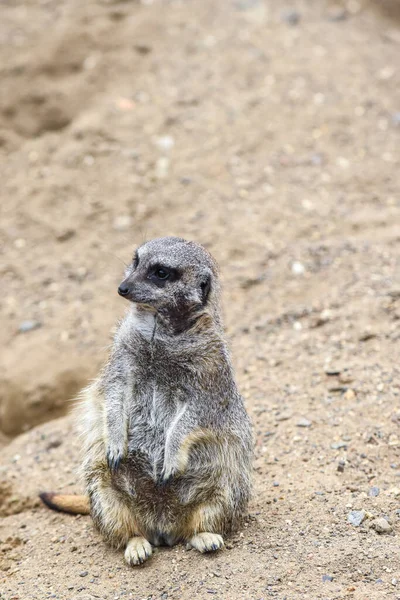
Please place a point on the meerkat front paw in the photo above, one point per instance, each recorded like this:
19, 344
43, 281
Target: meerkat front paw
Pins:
207, 542
114, 456
137, 551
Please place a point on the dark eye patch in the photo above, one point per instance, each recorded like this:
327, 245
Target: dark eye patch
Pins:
205, 287
160, 274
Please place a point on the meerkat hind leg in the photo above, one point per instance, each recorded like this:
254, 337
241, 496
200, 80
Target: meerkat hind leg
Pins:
138, 549
207, 542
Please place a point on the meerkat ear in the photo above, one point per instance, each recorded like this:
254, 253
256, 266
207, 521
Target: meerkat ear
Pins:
205, 286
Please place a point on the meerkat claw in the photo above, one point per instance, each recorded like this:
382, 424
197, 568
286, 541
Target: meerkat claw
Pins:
113, 460
166, 476
164, 481
207, 542
137, 551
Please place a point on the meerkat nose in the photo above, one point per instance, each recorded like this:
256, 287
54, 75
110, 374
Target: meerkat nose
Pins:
123, 289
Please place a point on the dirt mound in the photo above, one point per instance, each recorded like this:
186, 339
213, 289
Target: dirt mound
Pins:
39, 392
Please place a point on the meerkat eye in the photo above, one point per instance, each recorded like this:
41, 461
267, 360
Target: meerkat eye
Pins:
135, 261
205, 287
161, 274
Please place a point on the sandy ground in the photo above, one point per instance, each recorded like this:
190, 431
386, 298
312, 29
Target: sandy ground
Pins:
269, 131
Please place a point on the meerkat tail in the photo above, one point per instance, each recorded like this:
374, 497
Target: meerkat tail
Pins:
67, 503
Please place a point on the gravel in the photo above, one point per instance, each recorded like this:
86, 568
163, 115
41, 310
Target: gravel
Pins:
303, 423
356, 517
122, 223
298, 268
28, 325
341, 466
337, 13
381, 525
291, 17
339, 446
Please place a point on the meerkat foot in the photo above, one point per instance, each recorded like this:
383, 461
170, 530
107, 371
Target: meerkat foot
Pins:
137, 551
207, 542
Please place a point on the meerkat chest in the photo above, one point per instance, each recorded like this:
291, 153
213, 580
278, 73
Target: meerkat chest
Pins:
165, 412
153, 418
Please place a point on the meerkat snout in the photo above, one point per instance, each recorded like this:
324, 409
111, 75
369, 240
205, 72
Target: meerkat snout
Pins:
123, 289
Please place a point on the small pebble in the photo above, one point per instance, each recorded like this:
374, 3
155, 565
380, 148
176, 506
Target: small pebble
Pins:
83, 573
216, 573
165, 142
291, 17
337, 13
20, 243
246, 4
298, 268
122, 222
332, 371
303, 423
339, 445
349, 395
356, 517
143, 49
276, 484
327, 578
337, 389
346, 377
341, 466
381, 525
283, 417
374, 492
65, 235
324, 317
367, 335
26, 326
162, 167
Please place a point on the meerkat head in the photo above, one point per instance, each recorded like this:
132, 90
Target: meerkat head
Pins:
175, 278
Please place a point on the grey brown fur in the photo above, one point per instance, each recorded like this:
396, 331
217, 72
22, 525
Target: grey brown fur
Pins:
167, 441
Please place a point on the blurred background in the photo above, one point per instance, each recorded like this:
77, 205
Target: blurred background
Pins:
269, 132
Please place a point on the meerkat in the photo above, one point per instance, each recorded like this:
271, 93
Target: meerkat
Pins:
167, 442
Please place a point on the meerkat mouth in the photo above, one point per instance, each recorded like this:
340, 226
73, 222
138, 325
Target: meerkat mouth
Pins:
144, 307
